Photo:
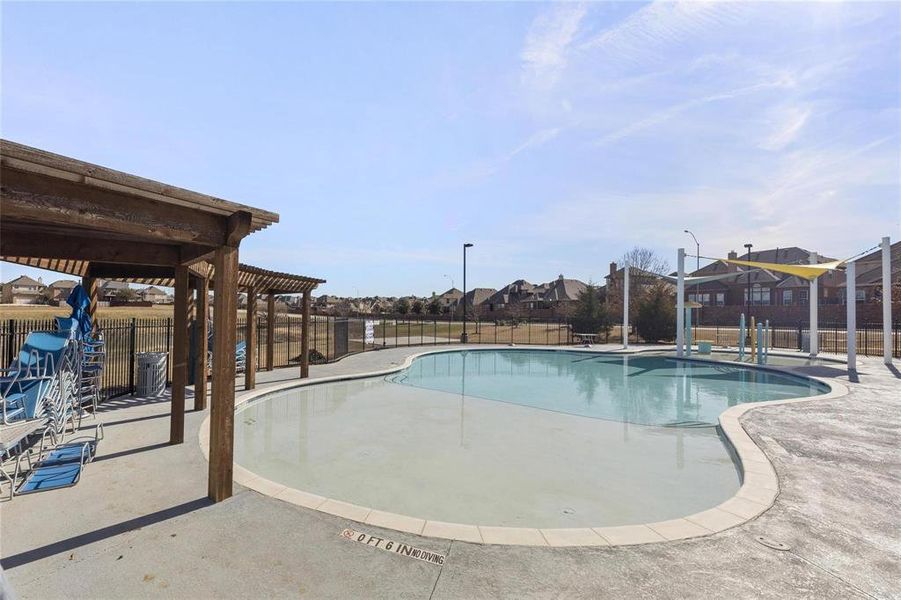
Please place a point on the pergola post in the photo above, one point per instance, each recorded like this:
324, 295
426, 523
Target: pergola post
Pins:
250, 363
90, 287
270, 332
201, 312
680, 302
814, 306
887, 300
179, 355
305, 337
851, 302
222, 409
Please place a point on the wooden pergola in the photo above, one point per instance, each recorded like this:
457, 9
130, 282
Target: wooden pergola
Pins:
96, 222
255, 282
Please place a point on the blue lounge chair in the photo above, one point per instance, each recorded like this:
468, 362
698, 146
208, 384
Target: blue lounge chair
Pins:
45, 380
92, 351
240, 355
61, 467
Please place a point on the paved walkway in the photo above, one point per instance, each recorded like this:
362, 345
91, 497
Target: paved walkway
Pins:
139, 525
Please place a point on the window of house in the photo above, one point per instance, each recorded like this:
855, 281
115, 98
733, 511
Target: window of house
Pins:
702, 298
861, 295
803, 296
759, 295
786, 296
721, 298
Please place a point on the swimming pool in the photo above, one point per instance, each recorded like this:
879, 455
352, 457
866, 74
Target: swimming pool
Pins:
514, 438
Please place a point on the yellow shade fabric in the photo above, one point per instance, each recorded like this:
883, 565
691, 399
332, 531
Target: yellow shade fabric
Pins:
808, 272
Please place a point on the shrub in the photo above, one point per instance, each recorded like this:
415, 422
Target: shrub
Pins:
591, 314
656, 318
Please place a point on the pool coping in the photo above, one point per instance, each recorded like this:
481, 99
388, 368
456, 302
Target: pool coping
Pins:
757, 493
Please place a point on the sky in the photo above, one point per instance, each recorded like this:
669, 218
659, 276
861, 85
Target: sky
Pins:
553, 137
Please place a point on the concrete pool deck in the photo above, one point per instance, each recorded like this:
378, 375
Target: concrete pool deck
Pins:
139, 524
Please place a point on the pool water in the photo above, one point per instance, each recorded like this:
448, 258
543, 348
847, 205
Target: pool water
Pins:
519, 438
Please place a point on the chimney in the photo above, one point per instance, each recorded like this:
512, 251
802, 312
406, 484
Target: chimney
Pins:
612, 269
732, 255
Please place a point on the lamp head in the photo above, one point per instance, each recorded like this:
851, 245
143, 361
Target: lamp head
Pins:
467, 245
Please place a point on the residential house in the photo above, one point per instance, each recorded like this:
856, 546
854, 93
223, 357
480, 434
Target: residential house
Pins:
520, 291
476, 301
562, 291
448, 298
154, 295
326, 303
110, 290
638, 280
59, 290
23, 290
869, 276
766, 288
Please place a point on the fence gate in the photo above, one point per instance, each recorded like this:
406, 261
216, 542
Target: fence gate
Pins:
342, 331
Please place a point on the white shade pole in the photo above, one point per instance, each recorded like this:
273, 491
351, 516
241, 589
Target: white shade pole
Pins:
680, 302
851, 301
626, 306
887, 300
814, 301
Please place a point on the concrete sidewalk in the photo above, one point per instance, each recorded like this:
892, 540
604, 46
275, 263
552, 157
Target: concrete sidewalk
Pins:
139, 524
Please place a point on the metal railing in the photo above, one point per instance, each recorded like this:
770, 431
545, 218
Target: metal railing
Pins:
331, 338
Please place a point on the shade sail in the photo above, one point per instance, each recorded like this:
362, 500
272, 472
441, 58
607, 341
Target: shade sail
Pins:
705, 278
808, 272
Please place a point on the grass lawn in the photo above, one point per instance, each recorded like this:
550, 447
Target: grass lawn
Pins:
34, 311
31, 311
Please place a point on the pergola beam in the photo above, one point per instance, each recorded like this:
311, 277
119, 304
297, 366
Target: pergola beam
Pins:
120, 271
71, 246
31, 197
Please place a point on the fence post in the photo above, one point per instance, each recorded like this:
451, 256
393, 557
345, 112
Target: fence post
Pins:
132, 357
11, 343
800, 335
169, 349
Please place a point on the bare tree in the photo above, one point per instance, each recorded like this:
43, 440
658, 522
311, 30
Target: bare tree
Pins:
646, 260
642, 260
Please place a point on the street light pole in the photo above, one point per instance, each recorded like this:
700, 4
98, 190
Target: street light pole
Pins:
697, 268
748, 267
464, 338
698, 257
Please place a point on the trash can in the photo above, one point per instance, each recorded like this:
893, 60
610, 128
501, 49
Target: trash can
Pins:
805, 342
151, 374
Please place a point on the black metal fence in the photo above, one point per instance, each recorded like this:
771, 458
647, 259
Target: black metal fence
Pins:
331, 338
833, 337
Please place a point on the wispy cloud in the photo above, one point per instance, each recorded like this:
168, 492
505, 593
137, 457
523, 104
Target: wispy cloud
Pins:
667, 113
488, 167
544, 54
641, 35
787, 124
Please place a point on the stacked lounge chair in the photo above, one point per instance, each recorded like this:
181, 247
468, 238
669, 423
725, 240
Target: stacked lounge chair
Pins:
56, 374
